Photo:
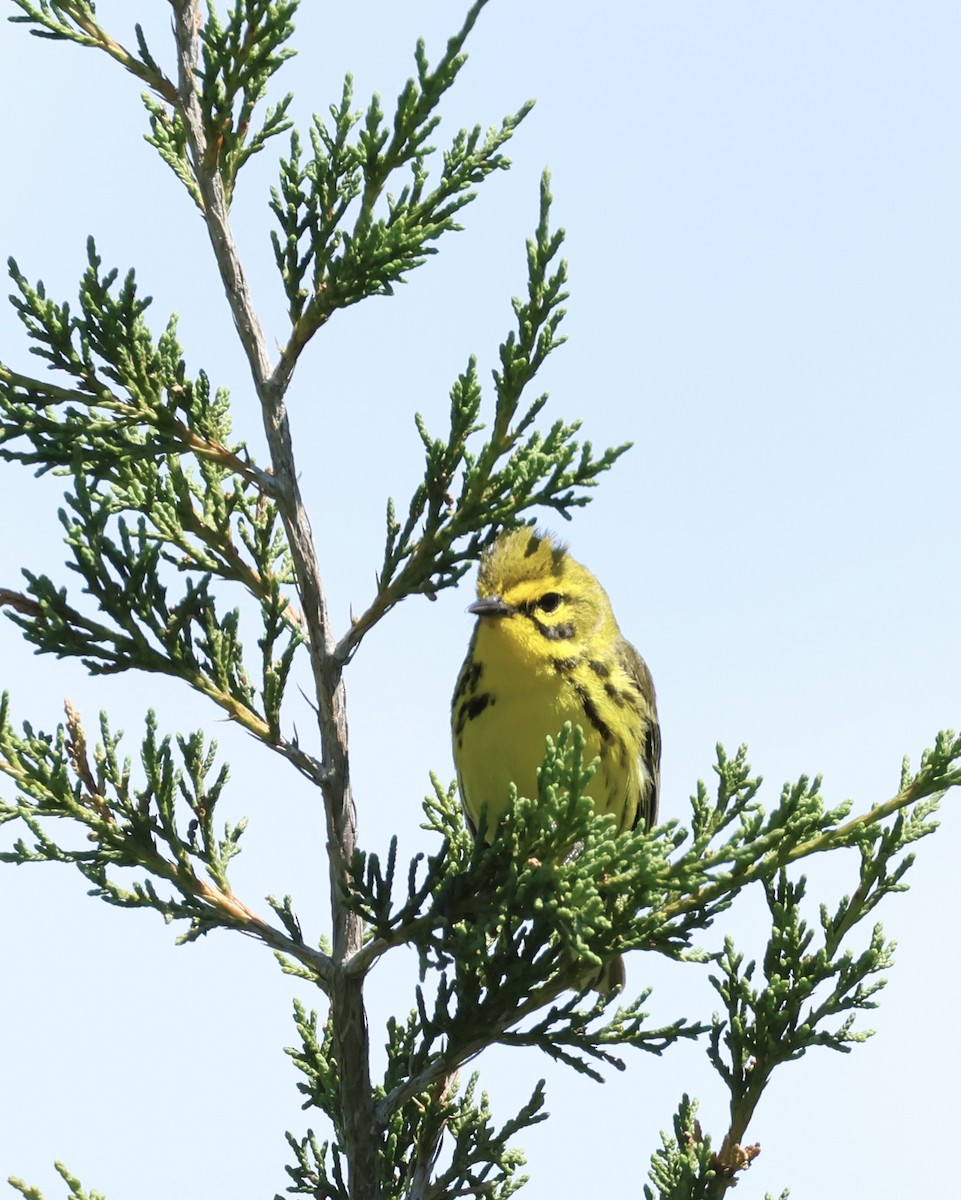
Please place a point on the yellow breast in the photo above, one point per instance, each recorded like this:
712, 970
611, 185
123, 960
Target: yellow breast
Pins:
507, 704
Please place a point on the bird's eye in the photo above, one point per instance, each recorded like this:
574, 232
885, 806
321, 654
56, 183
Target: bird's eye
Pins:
549, 602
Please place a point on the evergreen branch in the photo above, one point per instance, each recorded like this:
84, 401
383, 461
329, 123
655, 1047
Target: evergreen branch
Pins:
486, 1147
811, 994
55, 626
310, 1175
514, 471
445, 1063
686, 1168
238, 60
784, 843
168, 136
60, 778
316, 1059
285, 487
75, 21
481, 1160
520, 920
779, 1022
468, 1025
563, 1026
26, 404
326, 266
412, 1162
186, 639
123, 433
131, 392
77, 1192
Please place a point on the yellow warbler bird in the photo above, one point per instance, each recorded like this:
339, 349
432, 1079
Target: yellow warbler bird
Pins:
547, 649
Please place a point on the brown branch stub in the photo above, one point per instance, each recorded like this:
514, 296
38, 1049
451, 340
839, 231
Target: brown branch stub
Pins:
732, 1159
20, 603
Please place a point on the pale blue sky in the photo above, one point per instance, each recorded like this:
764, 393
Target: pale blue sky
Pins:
762, 209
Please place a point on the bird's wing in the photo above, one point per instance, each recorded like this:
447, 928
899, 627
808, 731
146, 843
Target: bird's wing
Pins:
650, 750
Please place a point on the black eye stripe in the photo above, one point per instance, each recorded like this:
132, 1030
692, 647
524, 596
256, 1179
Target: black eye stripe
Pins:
554, 633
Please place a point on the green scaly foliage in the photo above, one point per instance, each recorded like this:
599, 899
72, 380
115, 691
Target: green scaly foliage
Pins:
166, 515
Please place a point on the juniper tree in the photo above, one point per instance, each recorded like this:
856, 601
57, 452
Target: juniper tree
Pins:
168, 516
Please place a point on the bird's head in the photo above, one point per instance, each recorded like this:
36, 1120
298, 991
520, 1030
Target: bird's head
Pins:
538, 599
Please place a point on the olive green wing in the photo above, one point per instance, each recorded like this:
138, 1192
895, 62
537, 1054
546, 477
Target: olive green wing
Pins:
650, 747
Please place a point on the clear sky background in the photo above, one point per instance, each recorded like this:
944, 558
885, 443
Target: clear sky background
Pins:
762, 206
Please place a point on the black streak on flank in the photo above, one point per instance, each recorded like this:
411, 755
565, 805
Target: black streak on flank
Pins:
469, 679
602, 670
471, 709
590, 711
564, 665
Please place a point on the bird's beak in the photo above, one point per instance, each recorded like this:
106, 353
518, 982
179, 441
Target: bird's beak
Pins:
490, 606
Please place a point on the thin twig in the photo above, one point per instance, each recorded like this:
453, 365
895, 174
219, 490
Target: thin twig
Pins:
234, 914
347, 1007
